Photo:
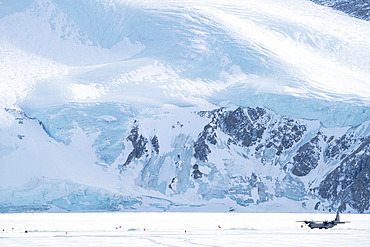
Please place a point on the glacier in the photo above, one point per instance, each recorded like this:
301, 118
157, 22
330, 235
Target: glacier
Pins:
230, 157
183, 105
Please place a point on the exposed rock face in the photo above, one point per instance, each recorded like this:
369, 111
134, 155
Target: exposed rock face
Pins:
271, 137
349, 183
356, 8
196, 173
285, 133
172, 185
155, 144
201, 149
247, 128
307, 157
243, 127
246, 156
138, 142
338, 147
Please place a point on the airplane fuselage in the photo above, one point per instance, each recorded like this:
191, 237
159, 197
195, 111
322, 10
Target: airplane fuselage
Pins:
321, 224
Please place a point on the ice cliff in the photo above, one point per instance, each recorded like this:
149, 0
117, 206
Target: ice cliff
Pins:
232, 157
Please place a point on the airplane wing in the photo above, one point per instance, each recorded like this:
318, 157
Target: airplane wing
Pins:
343, 222
305, 221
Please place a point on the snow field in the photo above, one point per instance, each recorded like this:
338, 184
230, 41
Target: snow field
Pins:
178, 229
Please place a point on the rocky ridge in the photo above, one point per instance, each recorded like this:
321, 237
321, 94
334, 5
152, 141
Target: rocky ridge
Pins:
356, 8
245, 157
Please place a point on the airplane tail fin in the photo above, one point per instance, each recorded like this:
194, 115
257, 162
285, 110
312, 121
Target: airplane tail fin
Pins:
337, 219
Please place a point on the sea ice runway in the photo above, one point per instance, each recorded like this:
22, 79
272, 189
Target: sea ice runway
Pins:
178, 229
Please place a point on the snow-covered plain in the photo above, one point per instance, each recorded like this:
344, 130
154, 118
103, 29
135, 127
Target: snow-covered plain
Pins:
179, 229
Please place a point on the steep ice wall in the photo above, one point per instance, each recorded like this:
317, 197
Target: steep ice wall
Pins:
106, 123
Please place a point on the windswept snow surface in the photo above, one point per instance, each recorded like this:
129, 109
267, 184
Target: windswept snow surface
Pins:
179, 229
184, 53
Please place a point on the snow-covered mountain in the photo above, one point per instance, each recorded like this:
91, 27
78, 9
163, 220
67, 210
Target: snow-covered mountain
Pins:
183, 106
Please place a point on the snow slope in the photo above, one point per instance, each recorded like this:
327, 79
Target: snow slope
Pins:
184, 53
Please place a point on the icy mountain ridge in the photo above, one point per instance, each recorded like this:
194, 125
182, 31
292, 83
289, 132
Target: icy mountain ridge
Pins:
238, 157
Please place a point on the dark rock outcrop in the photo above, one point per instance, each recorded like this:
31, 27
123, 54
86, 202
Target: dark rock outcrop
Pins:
155, 144
307, 157
196, 173
246, 128
338, 147
349, 183
138, 142
201, 148
285, 133
356, 8
172, 185
243, 127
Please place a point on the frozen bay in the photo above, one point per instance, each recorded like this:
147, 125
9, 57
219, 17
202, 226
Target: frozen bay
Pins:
179, 229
